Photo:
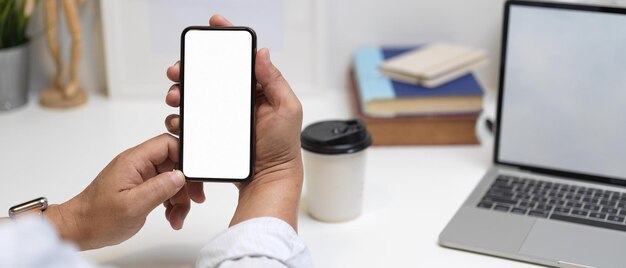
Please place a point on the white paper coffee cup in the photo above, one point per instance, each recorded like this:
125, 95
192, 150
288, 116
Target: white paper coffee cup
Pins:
334, 164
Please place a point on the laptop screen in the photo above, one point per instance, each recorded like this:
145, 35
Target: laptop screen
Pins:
563, 90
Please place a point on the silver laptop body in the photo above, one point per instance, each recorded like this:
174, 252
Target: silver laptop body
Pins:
555, 194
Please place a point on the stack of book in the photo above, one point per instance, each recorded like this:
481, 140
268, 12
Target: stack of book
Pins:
399, 113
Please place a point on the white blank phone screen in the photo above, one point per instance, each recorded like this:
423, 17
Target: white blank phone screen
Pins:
217, 104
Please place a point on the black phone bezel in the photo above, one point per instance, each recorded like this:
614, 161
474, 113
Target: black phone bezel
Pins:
252, 101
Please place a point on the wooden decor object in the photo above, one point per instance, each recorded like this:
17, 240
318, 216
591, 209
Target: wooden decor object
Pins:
62, 94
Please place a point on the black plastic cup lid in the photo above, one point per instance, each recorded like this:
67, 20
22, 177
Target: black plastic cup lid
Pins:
336, 137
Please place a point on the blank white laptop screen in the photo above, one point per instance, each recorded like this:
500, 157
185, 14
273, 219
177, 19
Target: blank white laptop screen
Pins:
564, 92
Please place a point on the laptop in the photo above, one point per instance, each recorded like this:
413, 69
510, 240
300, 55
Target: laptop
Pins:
556, 193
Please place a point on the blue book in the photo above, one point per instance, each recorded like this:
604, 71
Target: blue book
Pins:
383, 97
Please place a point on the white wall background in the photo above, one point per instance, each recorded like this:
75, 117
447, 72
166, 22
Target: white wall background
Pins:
142, 38
341, 26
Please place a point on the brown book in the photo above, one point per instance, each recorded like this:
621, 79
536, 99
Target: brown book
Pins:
433, 129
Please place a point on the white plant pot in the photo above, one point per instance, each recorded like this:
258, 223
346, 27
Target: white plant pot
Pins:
13, 77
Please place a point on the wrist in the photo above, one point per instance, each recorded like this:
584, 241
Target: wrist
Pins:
63, 218
275, 194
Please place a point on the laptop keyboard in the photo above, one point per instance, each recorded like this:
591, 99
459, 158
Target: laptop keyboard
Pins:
557, 201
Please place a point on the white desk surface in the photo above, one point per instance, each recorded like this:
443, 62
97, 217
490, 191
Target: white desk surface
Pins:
410, 192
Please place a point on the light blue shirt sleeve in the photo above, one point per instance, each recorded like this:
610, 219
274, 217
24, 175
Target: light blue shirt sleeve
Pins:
33, 242
259, 242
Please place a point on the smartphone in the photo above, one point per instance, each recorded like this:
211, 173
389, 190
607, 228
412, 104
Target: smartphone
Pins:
217, 103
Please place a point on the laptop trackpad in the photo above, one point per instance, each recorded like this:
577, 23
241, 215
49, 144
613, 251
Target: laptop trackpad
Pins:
575, 243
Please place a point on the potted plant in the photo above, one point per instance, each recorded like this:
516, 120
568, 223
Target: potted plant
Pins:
14, 16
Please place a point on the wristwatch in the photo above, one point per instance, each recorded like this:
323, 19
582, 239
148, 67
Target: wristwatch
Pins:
36, 205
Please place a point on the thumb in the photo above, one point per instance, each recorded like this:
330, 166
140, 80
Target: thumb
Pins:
156, 190
274, 86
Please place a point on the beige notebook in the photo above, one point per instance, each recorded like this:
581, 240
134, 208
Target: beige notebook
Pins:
434, 64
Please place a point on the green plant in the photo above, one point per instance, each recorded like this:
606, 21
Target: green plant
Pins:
14, 15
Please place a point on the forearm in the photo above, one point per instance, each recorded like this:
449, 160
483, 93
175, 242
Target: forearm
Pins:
63, 219
275, 194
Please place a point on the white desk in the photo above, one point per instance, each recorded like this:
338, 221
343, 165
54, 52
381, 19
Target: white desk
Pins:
410, 192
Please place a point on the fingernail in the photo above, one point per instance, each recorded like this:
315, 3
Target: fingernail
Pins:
175, 122
182, 215
267, 55
181, 221
178, 178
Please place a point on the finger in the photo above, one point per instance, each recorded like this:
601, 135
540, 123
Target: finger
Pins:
166, 166
173, 72
238, 185
156, 151
196, 191
180, 208
156, 190
177, 217
275, 88
173, 96
219, 20
168, 208
172, 122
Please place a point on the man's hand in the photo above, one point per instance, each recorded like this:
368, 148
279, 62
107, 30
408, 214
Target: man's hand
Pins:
276, 185
115, 205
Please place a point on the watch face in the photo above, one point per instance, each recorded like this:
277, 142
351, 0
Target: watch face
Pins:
37, 205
